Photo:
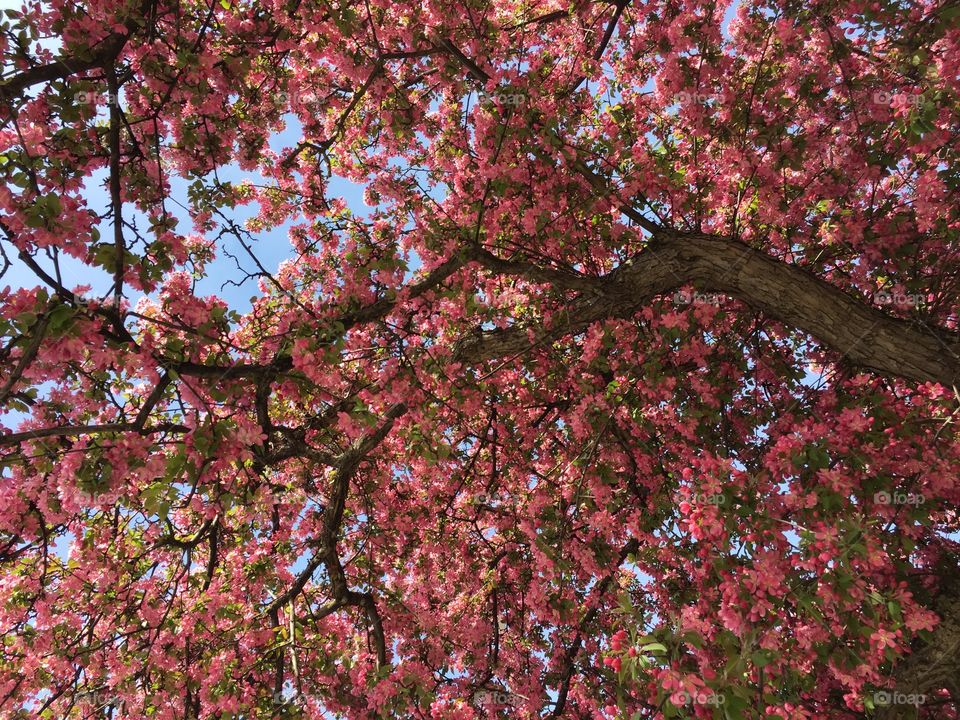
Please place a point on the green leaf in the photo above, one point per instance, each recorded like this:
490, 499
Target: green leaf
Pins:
734, 706
654, 648
762, 658
60, 319
154, 500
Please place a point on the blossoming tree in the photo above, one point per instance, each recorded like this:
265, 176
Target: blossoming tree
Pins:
628, 393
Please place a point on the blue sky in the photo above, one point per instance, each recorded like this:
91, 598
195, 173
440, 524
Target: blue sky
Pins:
271, 247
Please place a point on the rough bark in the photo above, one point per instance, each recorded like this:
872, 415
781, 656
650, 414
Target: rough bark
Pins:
933, 666
862, 334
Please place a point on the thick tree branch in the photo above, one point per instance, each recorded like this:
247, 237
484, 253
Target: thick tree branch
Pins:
933, 665
64, 67
861, 333
864, 335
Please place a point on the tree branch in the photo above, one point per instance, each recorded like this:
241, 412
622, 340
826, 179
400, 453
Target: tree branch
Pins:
74, 430
863, 334
327, 553
571, 655
63, 68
